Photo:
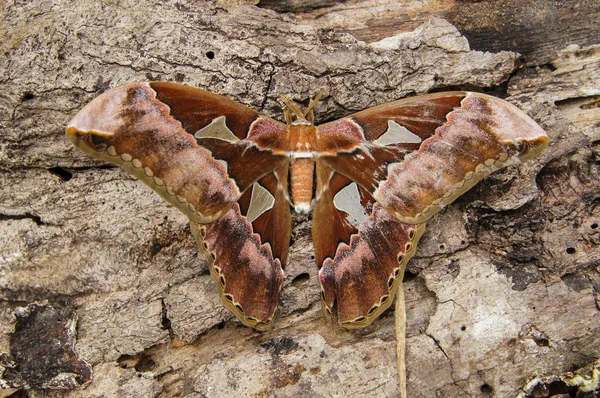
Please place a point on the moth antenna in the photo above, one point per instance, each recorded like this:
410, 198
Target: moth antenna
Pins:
310, 115
291, 105
286, 112
309, 110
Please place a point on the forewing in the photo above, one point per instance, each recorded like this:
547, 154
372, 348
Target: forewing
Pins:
417, 155
189, 145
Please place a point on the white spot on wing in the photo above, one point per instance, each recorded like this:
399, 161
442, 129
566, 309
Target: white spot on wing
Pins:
217, 129
224, 163
261, 200
348, 200
397, 134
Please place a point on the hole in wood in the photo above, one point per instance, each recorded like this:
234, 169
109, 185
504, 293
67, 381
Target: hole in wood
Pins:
486, 389
301, 279
64, 174
141, 362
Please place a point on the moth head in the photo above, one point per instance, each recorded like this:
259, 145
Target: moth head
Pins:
291, 109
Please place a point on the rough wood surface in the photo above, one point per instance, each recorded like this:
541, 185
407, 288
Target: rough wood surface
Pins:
502, 298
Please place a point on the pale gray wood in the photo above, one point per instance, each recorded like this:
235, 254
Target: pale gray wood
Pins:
505, 283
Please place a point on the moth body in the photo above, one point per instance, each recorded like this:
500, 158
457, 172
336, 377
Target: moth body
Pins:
301, 178
302, 135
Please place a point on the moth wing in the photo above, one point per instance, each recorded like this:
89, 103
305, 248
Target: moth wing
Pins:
222, 164
362, 249
417, 155
247, 249
382, 172
198, 150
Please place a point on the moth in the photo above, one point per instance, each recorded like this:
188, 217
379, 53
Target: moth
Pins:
380, 175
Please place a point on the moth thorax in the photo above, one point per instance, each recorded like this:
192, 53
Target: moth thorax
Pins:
301, 176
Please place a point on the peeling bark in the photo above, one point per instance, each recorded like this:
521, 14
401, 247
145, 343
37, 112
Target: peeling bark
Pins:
503, 295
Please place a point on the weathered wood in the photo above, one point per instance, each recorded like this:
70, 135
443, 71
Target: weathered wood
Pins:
536, 30
504, 288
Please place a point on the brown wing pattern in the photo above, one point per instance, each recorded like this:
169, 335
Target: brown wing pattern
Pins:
203, 153
381, 173
457, 139
331, 226
362, 278
362, 248
410, 158
247, 249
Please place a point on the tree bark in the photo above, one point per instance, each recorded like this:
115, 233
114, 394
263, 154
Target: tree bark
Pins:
502, 298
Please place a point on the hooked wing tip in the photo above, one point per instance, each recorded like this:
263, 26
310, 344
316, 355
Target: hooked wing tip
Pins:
103, 116
88, 140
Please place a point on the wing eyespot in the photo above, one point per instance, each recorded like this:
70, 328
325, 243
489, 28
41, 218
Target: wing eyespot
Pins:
524, 148
95, 141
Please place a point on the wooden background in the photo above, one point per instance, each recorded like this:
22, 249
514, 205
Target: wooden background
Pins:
101, 285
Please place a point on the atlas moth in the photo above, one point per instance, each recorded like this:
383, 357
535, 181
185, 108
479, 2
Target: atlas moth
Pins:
380, 175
